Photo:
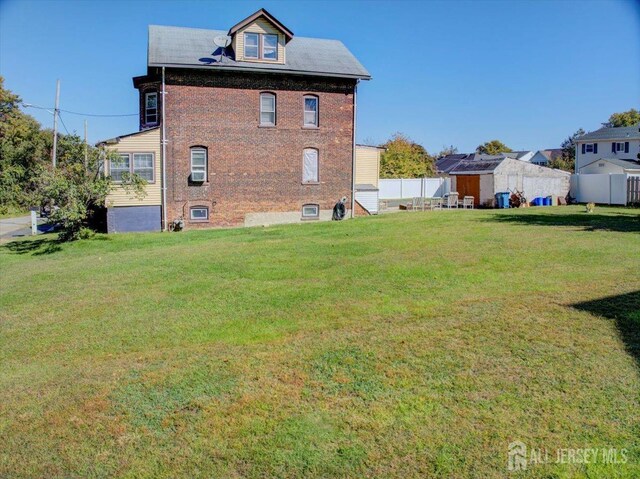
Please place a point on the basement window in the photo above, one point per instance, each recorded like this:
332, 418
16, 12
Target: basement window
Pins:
310, 211
199, 213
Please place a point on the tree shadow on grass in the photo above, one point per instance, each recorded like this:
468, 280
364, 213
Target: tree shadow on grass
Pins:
37, 247
624, 309
622, 222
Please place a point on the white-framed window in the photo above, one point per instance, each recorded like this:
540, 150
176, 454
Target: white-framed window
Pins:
310, 165
199, 213
310, 110
589, 147
151, 108
198, 164
251, 45
143, 166
270, 47
267, 109
620, 146
119, 166
310, 211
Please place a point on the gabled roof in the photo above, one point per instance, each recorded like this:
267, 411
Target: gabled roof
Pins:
626, 164
194, 48
622, 133
113, 141
516, 154
262, 13
551, 153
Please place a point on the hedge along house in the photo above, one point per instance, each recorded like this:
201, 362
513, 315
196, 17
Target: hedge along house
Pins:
487, 175
139, 153
259, 131
367, 176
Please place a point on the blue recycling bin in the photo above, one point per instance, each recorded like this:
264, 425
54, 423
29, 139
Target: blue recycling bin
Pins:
547, 201
537, 201
502, 199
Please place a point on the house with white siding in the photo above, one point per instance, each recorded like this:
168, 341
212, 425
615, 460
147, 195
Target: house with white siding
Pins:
597, 147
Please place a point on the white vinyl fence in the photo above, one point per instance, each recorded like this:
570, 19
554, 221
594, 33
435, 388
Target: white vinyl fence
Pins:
609, 189
413, 187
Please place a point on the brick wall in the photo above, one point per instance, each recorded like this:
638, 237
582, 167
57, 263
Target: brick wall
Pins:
254, 169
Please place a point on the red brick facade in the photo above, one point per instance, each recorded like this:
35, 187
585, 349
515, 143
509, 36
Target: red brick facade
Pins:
252, 169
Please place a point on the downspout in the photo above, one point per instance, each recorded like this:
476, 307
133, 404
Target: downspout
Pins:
353, 150
164, 161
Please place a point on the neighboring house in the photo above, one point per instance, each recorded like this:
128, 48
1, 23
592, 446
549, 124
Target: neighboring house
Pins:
525, 155
544, 157
611, 166
607, 143
367, 176
486, 175
261, 131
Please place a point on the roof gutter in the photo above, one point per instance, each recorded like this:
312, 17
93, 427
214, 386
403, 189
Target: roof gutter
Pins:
260, 70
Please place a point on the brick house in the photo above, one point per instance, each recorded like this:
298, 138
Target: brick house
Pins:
256, 132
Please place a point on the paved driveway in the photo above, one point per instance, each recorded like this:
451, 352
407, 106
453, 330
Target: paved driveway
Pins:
11, 228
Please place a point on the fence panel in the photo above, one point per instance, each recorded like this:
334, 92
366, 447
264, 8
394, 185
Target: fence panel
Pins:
633, 190
608, 189
413, 187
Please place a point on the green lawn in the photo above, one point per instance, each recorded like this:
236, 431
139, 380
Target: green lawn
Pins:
406, 345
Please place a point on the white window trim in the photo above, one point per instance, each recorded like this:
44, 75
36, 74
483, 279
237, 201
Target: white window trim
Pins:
146, 109
305, 111
127, 170
257, 57
199, 168
263, 36
193, 208
317, 180
311, 217
274, 111
153, 164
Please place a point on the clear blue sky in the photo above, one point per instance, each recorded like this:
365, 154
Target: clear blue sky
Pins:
460, 72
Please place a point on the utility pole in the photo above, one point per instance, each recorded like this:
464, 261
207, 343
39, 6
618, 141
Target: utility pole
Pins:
86, 147
56, 111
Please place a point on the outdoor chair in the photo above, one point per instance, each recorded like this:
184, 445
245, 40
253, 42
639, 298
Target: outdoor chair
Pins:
451, 200
434, 203
417, 203
467, 202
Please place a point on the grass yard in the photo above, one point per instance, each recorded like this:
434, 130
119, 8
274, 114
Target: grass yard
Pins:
406, 345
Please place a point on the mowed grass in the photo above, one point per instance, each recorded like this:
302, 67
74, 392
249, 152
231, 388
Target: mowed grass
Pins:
407, 345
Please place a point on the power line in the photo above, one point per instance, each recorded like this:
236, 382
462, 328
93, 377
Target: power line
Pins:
62, 121
30, 105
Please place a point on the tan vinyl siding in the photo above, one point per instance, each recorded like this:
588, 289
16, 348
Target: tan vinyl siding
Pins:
145, 142
259, 26
367, 166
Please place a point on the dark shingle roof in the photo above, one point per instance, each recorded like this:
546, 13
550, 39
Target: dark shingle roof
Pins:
622, 133
480, 164
194, 48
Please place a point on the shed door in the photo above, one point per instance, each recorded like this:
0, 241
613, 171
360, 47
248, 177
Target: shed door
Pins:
469, 185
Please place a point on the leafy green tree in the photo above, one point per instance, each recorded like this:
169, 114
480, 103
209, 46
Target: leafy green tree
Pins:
493, 147
23, 146
626, 118
404, 158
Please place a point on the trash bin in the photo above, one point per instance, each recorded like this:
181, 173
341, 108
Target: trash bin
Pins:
502, 199
537, 201
547, 201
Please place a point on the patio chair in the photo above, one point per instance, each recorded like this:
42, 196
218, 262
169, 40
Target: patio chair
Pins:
451, 200
417, 203
467, 202
434, 203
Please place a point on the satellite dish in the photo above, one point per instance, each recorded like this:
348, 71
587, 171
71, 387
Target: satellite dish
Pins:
222, 41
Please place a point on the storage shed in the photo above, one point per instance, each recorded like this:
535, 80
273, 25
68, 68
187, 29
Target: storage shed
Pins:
483, 178
366, 177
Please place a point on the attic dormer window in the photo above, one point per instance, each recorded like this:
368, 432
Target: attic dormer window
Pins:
260, 46
251, 45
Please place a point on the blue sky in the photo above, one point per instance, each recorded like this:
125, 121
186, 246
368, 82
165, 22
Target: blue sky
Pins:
459, 72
